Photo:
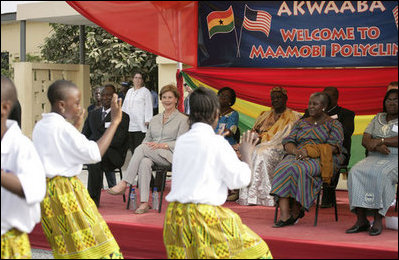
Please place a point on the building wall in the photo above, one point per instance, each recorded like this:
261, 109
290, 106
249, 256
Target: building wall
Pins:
36, 32
166, 73
32, 81
10, 37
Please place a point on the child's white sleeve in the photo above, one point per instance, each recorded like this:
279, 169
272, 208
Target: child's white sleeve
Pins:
30, 173
79, 148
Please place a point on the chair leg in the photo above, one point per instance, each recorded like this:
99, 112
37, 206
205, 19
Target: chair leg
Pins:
396, 204
276, 211
162, 189
335, 204
128, 198
124, 197
317, 208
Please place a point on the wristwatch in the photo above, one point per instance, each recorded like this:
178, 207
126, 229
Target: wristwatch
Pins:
382, 140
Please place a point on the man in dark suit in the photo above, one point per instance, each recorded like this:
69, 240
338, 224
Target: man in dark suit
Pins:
347, 118
187, 99
94, 127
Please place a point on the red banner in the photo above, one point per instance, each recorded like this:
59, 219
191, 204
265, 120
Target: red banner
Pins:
360, 90
170, 29
166, 28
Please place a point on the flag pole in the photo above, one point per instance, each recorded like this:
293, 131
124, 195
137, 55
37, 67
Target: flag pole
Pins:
235, 32
239, 42
238, 47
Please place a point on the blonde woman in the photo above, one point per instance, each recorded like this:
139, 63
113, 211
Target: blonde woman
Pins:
157, 147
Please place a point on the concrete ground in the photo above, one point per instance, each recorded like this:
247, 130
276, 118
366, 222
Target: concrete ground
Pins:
41, 254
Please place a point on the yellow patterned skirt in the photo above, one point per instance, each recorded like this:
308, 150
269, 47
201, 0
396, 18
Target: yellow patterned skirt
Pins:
15, 245
72, 224
202, 231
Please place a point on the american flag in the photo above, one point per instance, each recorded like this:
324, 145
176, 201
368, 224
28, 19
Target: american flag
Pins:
395, 14
257, 20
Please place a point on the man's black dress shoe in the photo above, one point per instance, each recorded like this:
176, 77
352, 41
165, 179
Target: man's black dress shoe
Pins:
281, 223
374, 231
357, 229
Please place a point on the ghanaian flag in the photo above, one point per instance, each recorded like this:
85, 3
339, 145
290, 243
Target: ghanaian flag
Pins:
220, 21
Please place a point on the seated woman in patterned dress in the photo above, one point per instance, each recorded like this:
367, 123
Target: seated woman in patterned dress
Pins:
314, 154
272, 126
371, 182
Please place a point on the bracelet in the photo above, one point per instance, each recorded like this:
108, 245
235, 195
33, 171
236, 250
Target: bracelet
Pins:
382, 140
166, 146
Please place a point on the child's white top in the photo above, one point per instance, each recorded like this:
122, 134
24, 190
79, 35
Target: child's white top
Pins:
204, 167
19, 156
61, 147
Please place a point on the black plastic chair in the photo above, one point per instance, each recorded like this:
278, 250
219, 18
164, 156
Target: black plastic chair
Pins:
332, 186
159, 182
334, 198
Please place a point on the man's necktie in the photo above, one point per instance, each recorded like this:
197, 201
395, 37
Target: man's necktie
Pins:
103, 115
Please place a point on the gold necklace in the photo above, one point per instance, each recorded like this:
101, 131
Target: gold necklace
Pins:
165, 116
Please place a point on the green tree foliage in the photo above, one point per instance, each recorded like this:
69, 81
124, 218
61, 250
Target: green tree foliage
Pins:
110, 59
62, 46
5, 66
8, 70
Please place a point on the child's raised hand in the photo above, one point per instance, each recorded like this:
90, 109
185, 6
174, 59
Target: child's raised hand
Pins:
116, 109
248, 142
77, 121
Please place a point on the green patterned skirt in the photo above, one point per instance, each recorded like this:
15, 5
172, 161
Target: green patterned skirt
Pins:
72, 224
199, 231
15, 245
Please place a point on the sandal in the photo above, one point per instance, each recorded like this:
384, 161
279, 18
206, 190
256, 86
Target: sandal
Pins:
142, 210
113, 192
110, 191
233, 197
